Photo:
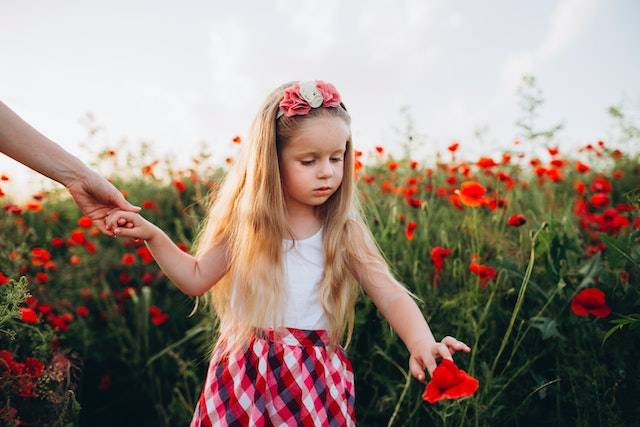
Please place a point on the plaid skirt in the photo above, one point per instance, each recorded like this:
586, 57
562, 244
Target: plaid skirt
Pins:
286, 377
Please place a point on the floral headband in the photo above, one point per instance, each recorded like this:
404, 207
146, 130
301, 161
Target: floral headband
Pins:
301, 97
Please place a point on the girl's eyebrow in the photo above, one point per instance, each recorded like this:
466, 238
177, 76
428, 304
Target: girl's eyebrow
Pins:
316, 152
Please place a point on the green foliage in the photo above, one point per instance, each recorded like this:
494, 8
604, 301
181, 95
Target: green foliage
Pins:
536, 360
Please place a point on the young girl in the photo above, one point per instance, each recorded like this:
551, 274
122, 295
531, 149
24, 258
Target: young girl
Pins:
281, 257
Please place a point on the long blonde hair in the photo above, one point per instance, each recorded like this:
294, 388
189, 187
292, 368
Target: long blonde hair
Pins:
247, 214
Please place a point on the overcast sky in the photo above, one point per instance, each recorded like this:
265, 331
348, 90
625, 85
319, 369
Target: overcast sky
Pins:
178, 73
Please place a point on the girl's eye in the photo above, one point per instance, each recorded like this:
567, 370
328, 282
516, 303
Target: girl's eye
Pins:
308, 162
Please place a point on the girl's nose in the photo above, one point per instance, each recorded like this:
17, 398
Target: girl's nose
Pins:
326, 169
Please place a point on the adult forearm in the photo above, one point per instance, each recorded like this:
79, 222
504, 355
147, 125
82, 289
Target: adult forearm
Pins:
26, 145
405, 318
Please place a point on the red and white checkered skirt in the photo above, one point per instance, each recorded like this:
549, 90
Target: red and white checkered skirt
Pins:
286, 377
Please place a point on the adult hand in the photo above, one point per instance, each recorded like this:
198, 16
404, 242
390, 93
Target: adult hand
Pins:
96, 197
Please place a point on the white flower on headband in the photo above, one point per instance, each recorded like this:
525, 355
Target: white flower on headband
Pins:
300, 98
310, 93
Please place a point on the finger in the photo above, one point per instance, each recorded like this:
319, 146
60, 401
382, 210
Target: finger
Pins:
125, 232
127, 216
416, 369
111, 219
454, 344
443, 351
122, 203
103, 228
430, 363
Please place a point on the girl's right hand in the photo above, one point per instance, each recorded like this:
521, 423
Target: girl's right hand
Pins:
139, 228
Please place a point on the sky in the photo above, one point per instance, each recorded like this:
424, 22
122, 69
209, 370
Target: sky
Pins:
180, 75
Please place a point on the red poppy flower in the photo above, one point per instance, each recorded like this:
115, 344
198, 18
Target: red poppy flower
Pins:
3, 279
414, 203
59, 323
85, 222
158, 317
485, 273
82, 311
486, 162
34, 367
449, 382
581, 167
33, 206
599, 184
27, 315
77, 237
90, 247
128, 259
599, 200
144, 254
516, 220
39, 256
148, 169
149, 204
179, 185
471, 193
57, 242
438, 253
555, 175
453, 147
393, 166
25, 388
590, 301
411, 225
45, 308
124, 277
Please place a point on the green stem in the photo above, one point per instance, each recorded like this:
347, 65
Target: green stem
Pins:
519, 301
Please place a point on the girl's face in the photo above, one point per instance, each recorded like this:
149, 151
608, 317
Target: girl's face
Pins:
312, 159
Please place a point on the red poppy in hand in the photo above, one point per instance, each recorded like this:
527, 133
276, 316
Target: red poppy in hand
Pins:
449, 382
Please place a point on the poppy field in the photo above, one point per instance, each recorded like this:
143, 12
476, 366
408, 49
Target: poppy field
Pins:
533, 261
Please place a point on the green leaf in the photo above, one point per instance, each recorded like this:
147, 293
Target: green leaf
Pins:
548, 327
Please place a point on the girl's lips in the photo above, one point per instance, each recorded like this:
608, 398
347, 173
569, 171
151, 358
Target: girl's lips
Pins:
328, 190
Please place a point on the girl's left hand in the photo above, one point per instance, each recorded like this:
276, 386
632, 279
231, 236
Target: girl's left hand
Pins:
424, 353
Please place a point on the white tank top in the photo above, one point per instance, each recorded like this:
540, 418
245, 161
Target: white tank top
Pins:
303, 267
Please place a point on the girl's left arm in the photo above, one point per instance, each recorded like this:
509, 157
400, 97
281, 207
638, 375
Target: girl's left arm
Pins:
405, 317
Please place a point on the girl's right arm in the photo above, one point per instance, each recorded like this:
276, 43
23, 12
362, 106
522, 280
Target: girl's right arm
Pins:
193, 276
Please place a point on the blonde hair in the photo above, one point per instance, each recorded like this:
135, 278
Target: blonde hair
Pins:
248, 215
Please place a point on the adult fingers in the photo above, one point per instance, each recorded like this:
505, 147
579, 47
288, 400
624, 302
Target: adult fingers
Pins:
122, 203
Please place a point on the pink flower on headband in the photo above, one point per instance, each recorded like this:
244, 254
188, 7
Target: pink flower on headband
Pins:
299, 98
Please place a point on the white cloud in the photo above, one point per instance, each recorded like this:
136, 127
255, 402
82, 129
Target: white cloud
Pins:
568, 21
